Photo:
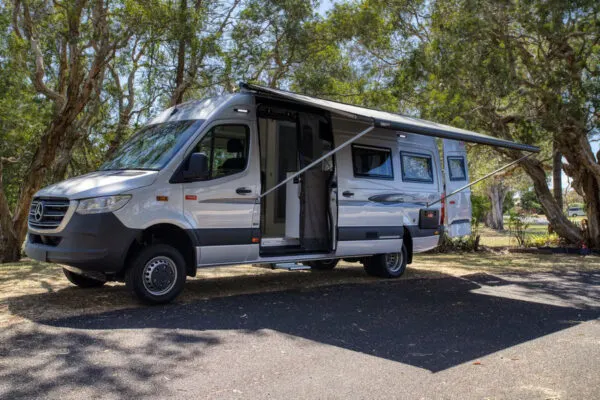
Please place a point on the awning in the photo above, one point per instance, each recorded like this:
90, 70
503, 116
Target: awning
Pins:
396, 122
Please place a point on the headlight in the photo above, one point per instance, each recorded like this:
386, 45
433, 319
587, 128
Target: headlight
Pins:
104, 204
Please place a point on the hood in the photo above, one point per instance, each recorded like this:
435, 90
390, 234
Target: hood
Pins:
99, 183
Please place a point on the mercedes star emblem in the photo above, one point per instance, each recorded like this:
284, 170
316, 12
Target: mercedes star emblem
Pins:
39, 211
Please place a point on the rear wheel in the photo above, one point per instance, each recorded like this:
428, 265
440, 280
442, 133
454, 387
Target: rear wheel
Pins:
82, 281
157, 274
323, 265
391, 265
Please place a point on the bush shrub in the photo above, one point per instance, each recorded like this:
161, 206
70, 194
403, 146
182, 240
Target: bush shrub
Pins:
550, 239
517, 226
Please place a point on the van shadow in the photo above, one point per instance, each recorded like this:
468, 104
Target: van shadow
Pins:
428, 323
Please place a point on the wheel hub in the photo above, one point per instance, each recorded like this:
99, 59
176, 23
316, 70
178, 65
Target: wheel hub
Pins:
393, 261
160, 275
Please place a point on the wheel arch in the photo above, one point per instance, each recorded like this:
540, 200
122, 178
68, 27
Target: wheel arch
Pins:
173, 235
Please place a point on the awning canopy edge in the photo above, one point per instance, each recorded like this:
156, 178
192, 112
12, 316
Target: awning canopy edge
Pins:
397, 122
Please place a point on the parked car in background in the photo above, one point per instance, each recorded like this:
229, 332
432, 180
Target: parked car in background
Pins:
576, 211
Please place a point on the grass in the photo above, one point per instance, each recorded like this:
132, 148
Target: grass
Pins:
493, 238
32, 291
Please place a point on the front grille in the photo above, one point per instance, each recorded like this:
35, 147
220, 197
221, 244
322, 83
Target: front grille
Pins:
47, 213
43, 239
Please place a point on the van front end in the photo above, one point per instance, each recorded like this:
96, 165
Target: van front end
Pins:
84, 234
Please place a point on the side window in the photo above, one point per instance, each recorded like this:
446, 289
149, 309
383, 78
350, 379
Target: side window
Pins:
416, 167
456, 169
372, 162
226, 147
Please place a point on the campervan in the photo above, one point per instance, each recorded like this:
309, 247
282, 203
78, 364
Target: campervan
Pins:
259, 176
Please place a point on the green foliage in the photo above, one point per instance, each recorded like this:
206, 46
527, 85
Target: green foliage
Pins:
546, 240
517, 226
509, 203
480, 207
530, 202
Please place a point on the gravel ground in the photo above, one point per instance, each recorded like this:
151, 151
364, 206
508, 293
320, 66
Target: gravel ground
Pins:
450, 330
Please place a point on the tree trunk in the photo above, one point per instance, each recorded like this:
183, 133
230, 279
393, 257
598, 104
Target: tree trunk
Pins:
10, 250
178, 92
562, 226
557, 175
583, 167
63, 157
496, 193
10, 247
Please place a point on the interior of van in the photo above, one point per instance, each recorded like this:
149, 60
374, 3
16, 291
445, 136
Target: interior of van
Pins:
296, 217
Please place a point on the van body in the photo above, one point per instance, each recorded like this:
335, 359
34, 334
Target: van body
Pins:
197, 187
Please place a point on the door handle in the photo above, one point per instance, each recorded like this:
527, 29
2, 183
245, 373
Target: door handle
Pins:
348, 193
243, 190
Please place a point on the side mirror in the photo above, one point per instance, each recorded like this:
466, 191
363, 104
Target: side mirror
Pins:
197, 167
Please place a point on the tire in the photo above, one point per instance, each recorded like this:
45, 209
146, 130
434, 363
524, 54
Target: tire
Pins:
83, 282
323, 265
574, 215
157, 274
390, 265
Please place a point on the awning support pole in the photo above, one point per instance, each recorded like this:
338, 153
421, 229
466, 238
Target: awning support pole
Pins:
317, 161
479, 180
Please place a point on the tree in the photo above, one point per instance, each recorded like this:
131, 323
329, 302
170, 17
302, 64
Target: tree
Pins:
482, 161
66, 48
530, 203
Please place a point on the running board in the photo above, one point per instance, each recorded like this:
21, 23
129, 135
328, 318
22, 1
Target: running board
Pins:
290, 266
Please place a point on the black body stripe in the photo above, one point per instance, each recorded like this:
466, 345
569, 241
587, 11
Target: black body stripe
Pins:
369, 232
460, 221
242, 236
223, 236
416, 232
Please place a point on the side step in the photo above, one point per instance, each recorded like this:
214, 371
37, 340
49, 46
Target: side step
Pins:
290, 266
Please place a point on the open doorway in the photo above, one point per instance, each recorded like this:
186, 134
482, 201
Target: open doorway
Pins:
295, 218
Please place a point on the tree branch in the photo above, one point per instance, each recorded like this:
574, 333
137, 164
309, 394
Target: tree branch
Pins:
38, 75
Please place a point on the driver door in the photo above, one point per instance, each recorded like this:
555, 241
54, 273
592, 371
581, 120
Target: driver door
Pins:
221, 206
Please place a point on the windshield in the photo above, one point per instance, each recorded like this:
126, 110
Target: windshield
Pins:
153, 146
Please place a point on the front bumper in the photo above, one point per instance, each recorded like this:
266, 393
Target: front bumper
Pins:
96, 243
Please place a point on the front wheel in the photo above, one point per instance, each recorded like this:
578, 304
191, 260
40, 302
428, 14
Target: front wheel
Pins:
391, 265
157, 275
82, 281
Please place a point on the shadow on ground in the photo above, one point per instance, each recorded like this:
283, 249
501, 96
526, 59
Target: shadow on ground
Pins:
428, 323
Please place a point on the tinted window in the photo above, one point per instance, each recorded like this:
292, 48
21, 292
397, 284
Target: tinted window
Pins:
416, 167
153, 146
372, 162
456, 169
226, 147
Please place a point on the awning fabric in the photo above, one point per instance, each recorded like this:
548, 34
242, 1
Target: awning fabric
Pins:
396, 122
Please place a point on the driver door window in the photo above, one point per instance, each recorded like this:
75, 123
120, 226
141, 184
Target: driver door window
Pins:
226, 147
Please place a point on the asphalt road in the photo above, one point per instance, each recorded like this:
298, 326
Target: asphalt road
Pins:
483, 336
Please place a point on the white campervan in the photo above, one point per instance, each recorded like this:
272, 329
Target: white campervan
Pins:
261, 176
